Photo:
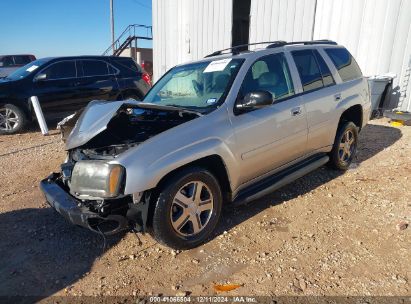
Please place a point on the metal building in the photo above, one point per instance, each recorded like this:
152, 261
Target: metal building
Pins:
376, 32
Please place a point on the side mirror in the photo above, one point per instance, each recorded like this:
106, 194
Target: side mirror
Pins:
40, 77
1, 64
255, 100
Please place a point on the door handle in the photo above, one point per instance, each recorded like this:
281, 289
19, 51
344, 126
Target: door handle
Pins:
296, 111
337, 97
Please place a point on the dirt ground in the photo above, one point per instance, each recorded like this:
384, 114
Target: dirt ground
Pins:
325, 234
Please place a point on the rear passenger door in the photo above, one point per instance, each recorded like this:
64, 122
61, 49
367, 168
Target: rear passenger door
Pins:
272, 136
320, 96
97, 81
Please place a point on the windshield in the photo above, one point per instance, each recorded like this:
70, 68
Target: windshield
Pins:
195, 86
26, 70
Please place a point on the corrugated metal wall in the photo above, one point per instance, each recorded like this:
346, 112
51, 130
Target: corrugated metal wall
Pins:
377, 32
289, 20
185, 30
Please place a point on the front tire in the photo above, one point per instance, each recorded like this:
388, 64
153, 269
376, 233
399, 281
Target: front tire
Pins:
12, 119
345, 146
188, 209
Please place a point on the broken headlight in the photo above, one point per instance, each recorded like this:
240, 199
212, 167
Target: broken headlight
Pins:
97, 179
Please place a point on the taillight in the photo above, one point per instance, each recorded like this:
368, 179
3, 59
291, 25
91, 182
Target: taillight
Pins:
146, 78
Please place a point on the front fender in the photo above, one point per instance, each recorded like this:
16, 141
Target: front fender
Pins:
143, 176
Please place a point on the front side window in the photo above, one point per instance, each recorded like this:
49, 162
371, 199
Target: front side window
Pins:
94, 68
271, 74
60, 70
196, 86
346, 65
308, 69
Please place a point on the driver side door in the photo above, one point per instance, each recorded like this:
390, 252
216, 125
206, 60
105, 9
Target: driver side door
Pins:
56, 88
270, 137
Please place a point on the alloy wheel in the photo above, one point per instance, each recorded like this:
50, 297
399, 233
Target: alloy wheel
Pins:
347, 147
9, 119
192, 208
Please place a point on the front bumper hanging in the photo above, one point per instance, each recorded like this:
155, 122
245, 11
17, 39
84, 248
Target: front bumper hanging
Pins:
73, 210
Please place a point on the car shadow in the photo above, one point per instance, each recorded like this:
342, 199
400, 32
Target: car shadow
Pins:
373, 139
41, 253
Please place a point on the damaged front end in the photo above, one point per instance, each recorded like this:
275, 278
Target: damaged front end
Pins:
89, 190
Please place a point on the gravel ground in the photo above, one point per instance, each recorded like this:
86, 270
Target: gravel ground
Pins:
325, 234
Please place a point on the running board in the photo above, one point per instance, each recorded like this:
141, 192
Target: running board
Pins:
279, 180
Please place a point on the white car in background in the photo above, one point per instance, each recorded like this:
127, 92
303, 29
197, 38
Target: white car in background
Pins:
10, 63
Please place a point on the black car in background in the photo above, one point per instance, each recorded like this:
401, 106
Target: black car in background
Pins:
66, 84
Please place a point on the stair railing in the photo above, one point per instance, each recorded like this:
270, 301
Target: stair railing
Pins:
130, 31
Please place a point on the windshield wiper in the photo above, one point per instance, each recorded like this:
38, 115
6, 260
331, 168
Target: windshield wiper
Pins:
172, 107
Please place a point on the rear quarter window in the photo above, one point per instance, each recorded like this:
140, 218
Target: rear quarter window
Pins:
345, 63
127, 67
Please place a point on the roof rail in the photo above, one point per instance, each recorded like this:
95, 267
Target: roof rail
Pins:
271, 44
235, 50
310, 42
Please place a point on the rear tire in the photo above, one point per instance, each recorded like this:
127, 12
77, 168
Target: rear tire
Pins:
12, 119
345, 146
188, 209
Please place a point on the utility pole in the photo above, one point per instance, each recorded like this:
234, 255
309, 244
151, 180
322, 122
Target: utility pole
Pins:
112, 24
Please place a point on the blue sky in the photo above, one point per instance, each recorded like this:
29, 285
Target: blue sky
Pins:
66, 27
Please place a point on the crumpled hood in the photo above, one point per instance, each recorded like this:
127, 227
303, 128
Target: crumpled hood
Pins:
93, 121
96, 116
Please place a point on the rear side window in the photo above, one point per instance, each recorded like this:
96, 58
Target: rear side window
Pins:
21, 60
346, 65
308, 69
60, 70
325, 71
94, 68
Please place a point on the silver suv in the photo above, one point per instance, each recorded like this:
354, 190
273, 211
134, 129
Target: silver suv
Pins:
226, 129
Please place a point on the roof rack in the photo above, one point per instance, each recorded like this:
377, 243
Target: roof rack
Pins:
311, 42
271, 44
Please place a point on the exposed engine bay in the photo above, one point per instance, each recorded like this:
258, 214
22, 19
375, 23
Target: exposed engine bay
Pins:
130, 126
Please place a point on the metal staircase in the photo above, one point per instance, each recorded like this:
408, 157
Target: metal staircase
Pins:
131, 34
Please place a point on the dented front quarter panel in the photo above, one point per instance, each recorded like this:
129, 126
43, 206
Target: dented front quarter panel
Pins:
153, 159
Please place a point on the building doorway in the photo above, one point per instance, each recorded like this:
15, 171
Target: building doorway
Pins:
241, 22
